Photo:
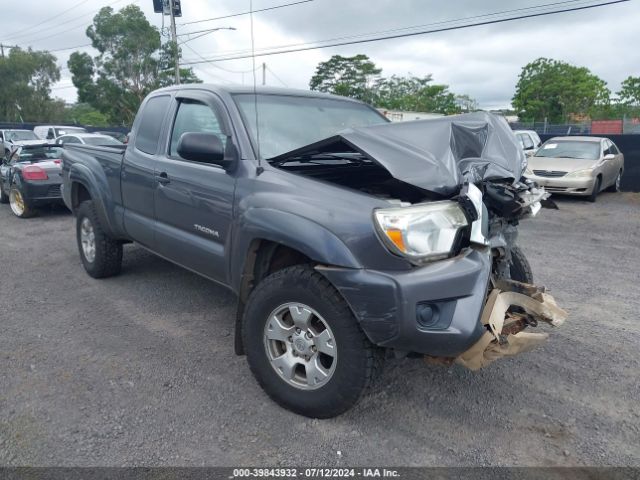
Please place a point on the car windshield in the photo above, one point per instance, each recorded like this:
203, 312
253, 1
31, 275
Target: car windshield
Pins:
38, 153
68, 130
20, 135
101, 140
570, 149
288, 122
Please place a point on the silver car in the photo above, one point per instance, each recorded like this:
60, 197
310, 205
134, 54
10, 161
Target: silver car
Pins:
577, 166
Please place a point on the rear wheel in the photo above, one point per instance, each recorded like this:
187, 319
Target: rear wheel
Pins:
304, 345
596, 190
19, 205
101, 255
520, 269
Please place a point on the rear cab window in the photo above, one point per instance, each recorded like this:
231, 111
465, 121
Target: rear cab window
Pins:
150, 125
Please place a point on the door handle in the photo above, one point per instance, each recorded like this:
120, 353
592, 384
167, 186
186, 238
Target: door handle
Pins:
163, 178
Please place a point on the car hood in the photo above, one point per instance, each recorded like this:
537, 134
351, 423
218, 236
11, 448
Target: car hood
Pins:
561, 164
437, 154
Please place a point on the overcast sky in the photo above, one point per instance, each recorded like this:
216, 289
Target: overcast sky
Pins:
483, 62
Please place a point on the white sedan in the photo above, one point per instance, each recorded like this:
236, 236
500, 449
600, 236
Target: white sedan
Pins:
87, 139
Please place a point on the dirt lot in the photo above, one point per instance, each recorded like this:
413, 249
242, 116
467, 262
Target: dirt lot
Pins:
140, 370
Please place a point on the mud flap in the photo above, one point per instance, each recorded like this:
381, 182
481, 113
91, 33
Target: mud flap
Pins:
504, 340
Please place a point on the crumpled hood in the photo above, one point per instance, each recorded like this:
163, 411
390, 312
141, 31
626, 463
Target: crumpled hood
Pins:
437, 154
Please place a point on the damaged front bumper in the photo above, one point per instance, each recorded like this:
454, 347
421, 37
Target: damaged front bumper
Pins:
510, 308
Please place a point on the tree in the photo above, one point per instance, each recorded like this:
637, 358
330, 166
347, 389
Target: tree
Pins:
85, 114
629, 93
25, 92
414, 94
556, 91
347, 76
466, 104
131, 63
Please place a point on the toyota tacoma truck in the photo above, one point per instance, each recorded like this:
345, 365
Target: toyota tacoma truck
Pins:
347, 239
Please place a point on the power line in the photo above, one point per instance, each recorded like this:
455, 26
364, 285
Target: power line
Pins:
19, 33
67, 29
413, 27
409, 34
246, 13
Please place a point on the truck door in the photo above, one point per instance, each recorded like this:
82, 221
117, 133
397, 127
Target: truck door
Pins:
138, 171
193, 200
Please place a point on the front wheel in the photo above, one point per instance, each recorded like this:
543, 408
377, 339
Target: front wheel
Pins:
100, 254
520, 269
304, 345
596, 190
616, 185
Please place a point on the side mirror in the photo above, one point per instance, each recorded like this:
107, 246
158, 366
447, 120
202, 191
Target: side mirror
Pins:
609, 156
203, 147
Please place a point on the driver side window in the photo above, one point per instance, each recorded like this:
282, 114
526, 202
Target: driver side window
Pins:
195, 117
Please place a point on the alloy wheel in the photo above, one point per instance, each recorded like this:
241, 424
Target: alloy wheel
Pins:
300, 346
88, 240
16, 202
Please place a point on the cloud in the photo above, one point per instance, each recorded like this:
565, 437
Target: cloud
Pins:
483, 62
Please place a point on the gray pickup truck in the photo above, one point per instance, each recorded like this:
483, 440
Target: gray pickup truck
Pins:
346, 238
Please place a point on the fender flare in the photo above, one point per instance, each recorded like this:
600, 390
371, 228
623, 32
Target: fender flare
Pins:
98, 190
288, 229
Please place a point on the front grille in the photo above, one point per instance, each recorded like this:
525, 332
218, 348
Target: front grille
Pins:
54, 191
549, 173
555, 189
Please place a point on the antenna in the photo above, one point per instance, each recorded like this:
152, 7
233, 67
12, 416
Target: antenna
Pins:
255, 88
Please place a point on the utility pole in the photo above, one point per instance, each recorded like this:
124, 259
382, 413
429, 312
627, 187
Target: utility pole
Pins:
264, 74
174, 38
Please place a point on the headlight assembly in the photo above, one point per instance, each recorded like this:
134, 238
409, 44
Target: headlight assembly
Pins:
421, 232
581, 173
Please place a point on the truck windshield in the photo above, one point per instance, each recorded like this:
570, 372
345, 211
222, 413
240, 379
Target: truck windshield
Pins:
287, 122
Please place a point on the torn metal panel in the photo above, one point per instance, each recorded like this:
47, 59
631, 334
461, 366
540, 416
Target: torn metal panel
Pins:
499, 341
437, 155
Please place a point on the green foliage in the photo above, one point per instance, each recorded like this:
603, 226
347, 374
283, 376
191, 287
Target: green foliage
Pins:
85, 114
414, 94
558, 91
629, 97
347, 76
131, 63
358, 77
25, 90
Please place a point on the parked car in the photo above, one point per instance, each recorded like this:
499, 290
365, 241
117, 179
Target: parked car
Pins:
51, 132
31, 178
529, 140
344, 236
121, 137
87, 139
11, 138
577, 166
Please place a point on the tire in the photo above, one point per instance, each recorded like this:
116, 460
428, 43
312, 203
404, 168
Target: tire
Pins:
19, 206
616, 185
101, 255
4, 198
596, 190
350, 366
520, 269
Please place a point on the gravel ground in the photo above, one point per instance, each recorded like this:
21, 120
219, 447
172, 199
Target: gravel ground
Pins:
139, 369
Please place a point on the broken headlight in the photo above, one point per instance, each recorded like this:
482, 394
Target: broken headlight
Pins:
421, 232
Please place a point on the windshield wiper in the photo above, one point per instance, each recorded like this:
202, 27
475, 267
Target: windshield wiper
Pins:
317, 159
